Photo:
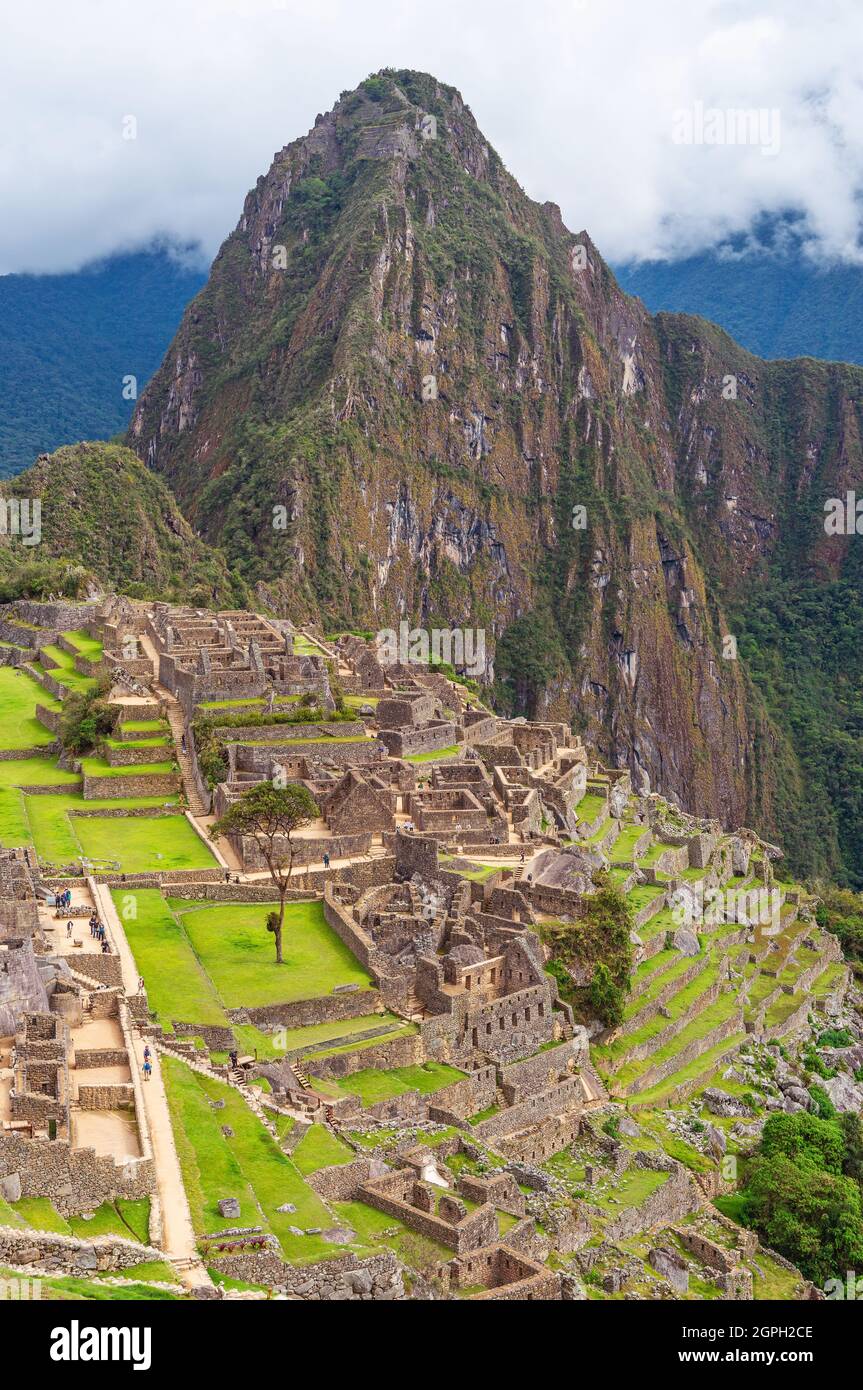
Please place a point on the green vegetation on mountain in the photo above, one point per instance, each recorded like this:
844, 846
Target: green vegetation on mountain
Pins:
802, 1192
106, 518
68, 341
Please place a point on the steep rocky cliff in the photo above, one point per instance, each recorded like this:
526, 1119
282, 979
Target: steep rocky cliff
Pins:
403, 381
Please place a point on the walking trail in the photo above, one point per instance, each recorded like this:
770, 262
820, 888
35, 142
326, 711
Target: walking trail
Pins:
178, 1235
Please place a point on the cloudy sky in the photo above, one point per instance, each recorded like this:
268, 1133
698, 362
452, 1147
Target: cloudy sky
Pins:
615, 109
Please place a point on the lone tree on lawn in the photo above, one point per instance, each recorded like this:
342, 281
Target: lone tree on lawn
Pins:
270, 815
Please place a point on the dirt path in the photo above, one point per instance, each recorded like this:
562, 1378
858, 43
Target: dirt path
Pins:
178, 1236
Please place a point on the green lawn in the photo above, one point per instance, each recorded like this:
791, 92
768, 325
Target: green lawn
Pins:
14, 826
19, 696
97, 767
128, 1219
62, 668
143, 843
373, 1085
449, 752
87, 646
155, 740
375, 1229
177, 986
237, 952
590, 806
53, 830
309, 1037
36, 772
55, 1289
248, 1166
145, 726
623, 849
318, 1148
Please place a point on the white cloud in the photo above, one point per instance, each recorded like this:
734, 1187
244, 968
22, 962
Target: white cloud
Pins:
578, 96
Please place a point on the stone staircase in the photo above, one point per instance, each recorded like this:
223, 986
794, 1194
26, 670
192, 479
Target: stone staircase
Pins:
174, 716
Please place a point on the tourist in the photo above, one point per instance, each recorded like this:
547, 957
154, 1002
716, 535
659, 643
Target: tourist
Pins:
147, 1069
147, 1053
183, 743
68, 931
227, 875
326, 860
140, 984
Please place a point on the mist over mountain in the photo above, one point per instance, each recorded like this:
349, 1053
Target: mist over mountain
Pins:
68, 341
767, 290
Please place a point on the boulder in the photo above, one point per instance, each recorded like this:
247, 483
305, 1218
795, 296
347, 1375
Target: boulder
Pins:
671, 1266
10, 1187
686, 942
229, 1207
721, 1103
843, 1092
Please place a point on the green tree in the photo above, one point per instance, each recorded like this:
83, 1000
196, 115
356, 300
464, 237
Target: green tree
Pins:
87, 717
271, 815
606, 998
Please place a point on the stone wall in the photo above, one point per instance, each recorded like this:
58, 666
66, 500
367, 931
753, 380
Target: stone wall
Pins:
395, 1194
654, 1075
674, 1199
162, 784
341, 1182
327, 1009
110, 1096
538, 1143
403, 743
560, 1099
521, 1079
506, 1275
101, 1057
104, 969
58, 1254
306, 851
338, 1280
75, 1180
382, 1056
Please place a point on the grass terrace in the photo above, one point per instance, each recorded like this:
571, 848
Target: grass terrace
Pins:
236, 950
63, 670
88, 647
373, 1085
98, 767
590, 806
178, 987
248, 1166
623, 849
143, 844
54, 833
451, 751
19, 696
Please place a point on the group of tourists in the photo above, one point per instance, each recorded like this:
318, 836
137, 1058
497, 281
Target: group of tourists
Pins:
98, 931
148, 1064
63, 901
